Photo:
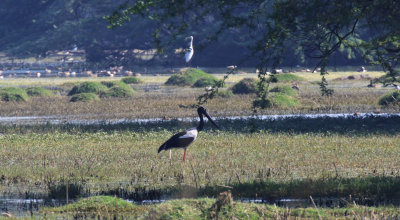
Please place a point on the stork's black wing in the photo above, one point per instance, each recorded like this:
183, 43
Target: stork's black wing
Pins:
176, 141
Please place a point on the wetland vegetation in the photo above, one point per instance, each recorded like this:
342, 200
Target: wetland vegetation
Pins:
340, 158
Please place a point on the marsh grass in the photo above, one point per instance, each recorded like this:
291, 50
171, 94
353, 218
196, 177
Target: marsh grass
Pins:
330, 158
107, 207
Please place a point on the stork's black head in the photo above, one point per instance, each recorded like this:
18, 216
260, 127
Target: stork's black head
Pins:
202, 111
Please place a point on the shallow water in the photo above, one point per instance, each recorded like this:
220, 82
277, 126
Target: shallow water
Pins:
74, 119
25, 207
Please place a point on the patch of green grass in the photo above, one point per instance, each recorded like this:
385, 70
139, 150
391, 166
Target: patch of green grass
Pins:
284, 89
203, 82
119, 90
188, 76
39, 92
392, 98
95, 204
224, 93
204, 208
245, 86
110, 84
131, 80
287, 77
84, 97
88, 87
283, 100
13, 94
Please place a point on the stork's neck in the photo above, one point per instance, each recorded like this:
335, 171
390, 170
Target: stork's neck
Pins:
201, 124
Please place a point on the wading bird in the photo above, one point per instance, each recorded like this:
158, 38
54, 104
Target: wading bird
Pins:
396, 87
189, 51
185, 138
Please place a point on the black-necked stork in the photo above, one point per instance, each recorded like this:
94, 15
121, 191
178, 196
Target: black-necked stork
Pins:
185, 138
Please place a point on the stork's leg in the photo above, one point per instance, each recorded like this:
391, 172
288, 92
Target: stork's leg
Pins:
170, 154
184, 155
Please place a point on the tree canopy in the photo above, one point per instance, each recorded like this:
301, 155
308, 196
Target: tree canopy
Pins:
272, 29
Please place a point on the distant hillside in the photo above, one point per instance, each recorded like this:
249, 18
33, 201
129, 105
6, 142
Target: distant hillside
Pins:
31, 28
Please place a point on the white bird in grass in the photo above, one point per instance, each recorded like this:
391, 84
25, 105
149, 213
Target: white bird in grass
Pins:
396, 87
189, 51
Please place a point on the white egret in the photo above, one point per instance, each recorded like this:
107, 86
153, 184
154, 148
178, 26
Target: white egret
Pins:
189, 51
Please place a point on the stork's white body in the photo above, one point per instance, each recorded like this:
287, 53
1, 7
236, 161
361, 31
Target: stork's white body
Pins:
189, 51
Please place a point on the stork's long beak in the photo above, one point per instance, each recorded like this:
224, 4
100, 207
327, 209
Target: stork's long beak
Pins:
210, 119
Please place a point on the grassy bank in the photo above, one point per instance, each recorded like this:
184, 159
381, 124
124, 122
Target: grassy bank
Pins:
205, 208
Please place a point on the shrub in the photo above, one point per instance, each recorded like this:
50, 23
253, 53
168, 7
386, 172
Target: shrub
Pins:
284, 89
224, 93
13, 94
131, 80
39, 92
187, 77
109, 84
203, 82
245, 86
287, 77
392, 98
119, 89
284, 100
84, 97
88, 87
